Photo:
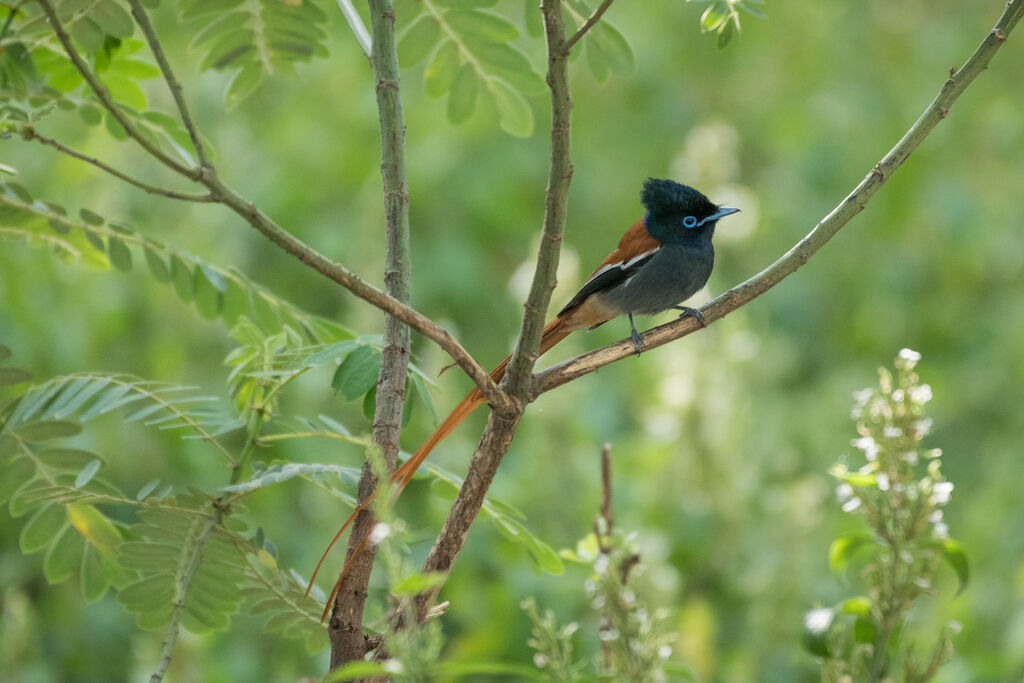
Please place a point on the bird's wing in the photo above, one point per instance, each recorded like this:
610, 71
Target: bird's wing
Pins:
636, 248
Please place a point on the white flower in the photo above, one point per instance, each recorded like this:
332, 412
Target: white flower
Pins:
381, 530
818, 619
941, 530
851, 505
868, 445
898, 395
392, 666
863, 396
664, 652
844, 492
921, 394
910, 457
540, 661
933, 453
909, 358
941, 492
935, 517
922, 427
882, 479
891, 432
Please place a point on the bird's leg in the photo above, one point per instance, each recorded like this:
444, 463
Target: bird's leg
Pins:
638, 342
686, 310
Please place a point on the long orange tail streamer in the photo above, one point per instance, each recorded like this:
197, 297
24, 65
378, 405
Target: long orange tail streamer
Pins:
553, 333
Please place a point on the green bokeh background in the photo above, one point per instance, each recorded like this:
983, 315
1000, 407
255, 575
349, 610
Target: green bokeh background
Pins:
721, 442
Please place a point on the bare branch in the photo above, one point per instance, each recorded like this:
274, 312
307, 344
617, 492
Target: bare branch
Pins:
142, 19
347, 641
29, 133
587, 25
106, 100
786, 265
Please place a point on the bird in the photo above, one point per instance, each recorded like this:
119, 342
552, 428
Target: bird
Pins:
661, 261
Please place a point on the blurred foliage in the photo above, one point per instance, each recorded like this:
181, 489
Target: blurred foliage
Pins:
728, 434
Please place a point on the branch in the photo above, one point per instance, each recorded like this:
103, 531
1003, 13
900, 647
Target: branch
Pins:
347, 641
497, 435
786, 265
587, 25
555, 205
106, 100
28, 133
172, 83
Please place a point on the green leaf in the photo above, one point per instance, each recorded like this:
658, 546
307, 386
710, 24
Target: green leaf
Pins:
157, 266
276, 474
358, 373
49, 429
424, 395
817, 626
5, 353
63, 556
370, 403
842, 549
93, 578
482, 25
91, 217
87, 473
462, 99
955, 556
182, 277
616, 49
330, 353
208, 298
440, 74
513, 109
9, 376
112, 19
14, 475
859, 605
243, 84
147, 489
120, 256
417, 42
42, 528
66, 459
88, 34
96, 528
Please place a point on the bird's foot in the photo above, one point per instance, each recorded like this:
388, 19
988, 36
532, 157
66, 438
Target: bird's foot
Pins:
686, 310
638, 341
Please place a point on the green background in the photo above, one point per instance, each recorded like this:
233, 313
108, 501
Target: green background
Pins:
721, 442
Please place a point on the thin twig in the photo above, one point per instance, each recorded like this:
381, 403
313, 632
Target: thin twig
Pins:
142, 19
347, 641
107, 101
29, 133
587, 25
786, 265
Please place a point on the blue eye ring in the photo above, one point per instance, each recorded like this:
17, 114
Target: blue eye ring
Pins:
690, 222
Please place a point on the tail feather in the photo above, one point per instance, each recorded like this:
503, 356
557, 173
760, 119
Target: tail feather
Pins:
554, 332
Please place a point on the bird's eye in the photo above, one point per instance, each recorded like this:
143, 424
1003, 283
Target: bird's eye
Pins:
690, 222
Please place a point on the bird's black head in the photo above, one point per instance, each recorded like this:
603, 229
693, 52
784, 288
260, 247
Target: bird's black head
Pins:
679, 212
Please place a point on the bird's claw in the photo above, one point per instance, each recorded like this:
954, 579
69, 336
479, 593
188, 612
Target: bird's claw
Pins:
694, 312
